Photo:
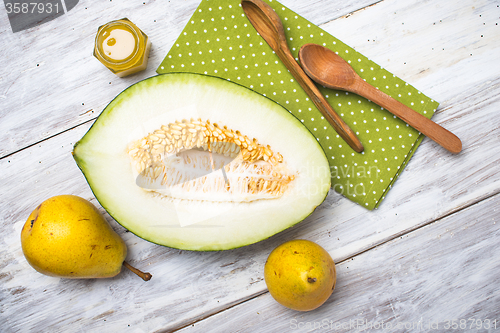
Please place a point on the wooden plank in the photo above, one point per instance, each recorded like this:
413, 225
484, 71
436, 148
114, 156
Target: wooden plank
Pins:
322, 11
52, 81
438, 47
188, 286
440, 276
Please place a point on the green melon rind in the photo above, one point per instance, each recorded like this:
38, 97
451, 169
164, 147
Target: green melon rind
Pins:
85, 152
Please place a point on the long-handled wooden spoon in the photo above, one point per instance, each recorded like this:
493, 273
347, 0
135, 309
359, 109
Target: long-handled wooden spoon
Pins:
269, 26
330, 70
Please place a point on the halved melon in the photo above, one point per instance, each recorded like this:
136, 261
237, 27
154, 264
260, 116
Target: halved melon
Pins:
200, 163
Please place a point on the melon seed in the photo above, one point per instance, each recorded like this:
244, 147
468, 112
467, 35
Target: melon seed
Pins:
262, 167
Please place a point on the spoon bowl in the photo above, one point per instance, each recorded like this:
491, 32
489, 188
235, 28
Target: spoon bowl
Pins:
329, 69
326, 67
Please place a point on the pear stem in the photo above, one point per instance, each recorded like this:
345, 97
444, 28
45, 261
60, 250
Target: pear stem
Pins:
142, 275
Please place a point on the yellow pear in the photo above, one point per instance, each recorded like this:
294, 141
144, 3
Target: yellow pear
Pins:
300, 275
66, 236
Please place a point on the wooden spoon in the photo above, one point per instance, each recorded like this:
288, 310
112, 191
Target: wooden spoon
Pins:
330, 70
269, 26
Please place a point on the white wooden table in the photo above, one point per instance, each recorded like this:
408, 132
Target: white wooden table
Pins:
428, 259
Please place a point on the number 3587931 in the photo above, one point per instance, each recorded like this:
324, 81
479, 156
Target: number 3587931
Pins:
471, 323
31, 8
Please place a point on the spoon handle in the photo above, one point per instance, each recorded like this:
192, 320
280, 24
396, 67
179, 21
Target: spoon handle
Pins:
319, 100
424, 125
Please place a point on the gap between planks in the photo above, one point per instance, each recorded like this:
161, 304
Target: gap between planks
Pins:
47, 138
387, 240
217, 312
351, 13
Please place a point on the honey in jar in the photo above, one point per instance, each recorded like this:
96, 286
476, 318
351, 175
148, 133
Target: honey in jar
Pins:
122, 47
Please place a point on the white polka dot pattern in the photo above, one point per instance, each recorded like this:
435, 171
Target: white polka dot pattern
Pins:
220, 41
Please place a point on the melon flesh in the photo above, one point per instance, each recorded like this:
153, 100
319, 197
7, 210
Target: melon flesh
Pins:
200, 163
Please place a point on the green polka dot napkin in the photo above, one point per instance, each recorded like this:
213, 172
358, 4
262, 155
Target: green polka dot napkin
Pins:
220, 41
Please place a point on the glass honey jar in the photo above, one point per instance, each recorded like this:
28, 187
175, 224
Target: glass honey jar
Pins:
122, 47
